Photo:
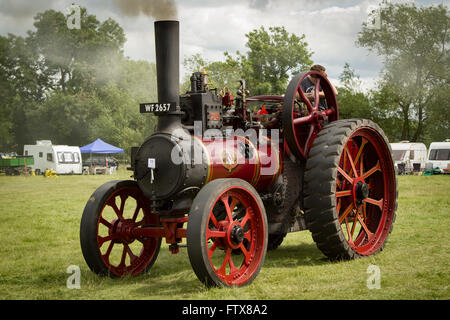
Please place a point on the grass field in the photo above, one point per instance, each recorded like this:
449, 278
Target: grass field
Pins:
39, 236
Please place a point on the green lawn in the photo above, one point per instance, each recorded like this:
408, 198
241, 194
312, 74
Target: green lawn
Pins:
39, 236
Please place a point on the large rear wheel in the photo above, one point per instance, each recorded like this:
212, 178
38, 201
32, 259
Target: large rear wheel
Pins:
350, 189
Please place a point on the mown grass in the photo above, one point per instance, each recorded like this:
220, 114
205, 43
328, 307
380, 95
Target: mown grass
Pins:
39, 236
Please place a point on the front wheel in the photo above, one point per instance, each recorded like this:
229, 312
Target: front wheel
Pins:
227, 233
107, 243
350, 190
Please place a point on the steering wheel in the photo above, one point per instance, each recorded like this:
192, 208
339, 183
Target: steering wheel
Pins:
300, 127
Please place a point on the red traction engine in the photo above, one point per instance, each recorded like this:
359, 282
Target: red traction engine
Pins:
233, 176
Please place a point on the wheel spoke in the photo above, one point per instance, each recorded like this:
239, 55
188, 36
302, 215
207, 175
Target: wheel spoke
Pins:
310, 139
124, 255
248, 235
345, 213
352, 164
123, 198
246, 217
350, 238
361, 164
373, 170
359, 154
227, 207
234, 203
108, 251
213, 219
113, 205
136, 212
378, 203
316, 95
369, 234
305, 99
212, 249
214, 234
354, 224
345, 175
105, 222
102, 240
222, 269
344, 193
132, 256
246, 253
302, 120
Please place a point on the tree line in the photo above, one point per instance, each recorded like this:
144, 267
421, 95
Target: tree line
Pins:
72, 86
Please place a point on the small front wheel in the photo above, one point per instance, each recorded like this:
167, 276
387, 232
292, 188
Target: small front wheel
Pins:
107, 242
227, 233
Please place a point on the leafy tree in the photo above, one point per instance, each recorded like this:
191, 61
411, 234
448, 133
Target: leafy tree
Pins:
352, 101
414, 42
74, 57
72, 86
220, 74
273, 56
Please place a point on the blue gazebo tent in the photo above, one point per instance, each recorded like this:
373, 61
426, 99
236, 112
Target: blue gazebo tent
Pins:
100, 146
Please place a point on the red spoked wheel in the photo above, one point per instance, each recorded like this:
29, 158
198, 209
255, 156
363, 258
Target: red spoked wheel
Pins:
227, 233
350, 189
303, 118
107, 243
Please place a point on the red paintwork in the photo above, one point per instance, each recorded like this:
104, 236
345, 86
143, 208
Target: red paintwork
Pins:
120, 233
226, 160
243, 259
367, 224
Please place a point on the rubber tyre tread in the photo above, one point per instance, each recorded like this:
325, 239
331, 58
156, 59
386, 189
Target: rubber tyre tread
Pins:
320, 183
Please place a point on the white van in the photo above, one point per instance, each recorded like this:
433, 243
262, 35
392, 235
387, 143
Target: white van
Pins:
60, 158
409, 157
439, 155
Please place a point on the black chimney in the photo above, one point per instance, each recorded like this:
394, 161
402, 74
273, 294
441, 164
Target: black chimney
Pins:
167, 44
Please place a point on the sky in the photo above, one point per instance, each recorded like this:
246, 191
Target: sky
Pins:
211, 27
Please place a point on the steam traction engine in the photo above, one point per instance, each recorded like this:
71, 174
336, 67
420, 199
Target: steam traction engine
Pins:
204, 176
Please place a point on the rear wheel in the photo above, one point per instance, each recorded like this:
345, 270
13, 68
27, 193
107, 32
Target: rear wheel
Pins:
350, 189
227, 233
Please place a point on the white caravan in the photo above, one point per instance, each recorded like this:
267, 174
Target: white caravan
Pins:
409, 156
60, 158
439, 155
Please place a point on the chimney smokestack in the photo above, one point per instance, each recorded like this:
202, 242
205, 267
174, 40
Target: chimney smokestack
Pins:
167, 44
168, 60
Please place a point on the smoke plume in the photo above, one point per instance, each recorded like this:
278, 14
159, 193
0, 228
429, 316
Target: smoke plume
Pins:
158, 9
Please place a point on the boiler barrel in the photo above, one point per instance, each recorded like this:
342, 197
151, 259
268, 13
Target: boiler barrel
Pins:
260, 165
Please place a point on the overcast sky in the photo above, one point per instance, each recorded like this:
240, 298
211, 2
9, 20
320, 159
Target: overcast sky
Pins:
210, 27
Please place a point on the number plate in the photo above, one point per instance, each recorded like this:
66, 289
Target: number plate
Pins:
157, 108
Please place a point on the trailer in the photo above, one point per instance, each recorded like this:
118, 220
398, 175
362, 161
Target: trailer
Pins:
62, 159
439, 156
14, 164
409, 157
